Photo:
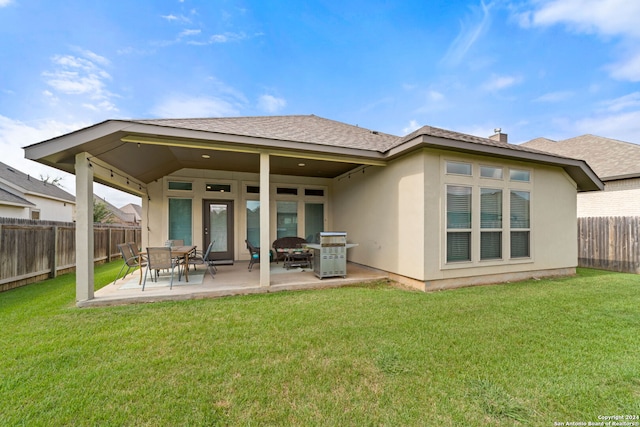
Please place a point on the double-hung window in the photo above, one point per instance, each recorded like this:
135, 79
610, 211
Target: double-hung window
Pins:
458, 223
487, 214
520, 224
490, 223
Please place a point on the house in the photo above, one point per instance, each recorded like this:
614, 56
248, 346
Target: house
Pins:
434, 208
134, 211
116, 215
617, 164
23, 196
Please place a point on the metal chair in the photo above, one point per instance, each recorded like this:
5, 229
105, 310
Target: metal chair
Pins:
203, 259
160, 259
131, 259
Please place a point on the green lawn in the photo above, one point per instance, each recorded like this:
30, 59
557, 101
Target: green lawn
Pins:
529, 353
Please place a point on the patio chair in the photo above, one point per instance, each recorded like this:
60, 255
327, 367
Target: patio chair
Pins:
160, 259
131, 259
203, 259
255, 254
170, 243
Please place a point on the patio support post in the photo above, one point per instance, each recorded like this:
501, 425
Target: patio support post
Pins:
265, 268
84, 228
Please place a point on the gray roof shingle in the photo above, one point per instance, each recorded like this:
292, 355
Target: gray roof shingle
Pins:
309, 129
609, 158
10, 197
29, 184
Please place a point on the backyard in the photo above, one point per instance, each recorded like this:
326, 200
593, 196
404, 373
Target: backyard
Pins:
530, 353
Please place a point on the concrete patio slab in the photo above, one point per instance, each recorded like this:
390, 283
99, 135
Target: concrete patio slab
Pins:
229, 280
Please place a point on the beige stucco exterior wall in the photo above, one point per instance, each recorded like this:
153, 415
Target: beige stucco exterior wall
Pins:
383, 211
156, 226
619, 198
397, 216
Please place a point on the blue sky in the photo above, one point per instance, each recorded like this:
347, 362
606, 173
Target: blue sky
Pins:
551, 68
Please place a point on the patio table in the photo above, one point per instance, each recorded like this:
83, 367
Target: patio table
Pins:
178, 252
296, 257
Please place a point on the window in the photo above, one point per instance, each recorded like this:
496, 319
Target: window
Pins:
313, 192
519, 175
313, 221
520, 224
253, 222
177, 185
458, 168
458, 223
287, 219
180, 220
220, 188
253, 189
285, 190
490, 172
490, 223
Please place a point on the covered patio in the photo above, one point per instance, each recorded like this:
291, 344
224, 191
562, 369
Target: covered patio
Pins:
229, 280
212, 166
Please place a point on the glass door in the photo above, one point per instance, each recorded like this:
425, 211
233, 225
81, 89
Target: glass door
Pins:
218, 227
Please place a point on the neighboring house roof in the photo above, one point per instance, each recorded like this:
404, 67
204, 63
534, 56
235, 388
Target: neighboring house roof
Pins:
10, 198
611, 159
133, 209
118, 216
29, 185
168, 145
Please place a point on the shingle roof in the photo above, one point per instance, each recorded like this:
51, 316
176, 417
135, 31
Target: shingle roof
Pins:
309, 129
448, 134
609, 158
9, 197
29, 184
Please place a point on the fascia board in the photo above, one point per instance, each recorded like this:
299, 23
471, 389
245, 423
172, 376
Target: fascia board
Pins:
72, 140
579, 170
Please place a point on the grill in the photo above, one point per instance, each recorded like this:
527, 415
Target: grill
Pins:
330, 255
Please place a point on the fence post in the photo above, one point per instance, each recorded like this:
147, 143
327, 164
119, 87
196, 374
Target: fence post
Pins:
109, 246
54, 253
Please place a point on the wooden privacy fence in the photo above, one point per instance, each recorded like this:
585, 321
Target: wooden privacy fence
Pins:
31, 250
609, 243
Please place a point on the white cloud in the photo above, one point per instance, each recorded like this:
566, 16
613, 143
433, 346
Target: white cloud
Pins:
413, 125
631, 100
625, 126
552, 97
191, 107
176, 18
469, 34
220, 38
4, 3
271, 104
627, 68
15, 134
435, 96
188, 33
604, 18
496, 82
81, 76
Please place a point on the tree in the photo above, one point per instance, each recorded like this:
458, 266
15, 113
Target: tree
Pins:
101, 213
57, 181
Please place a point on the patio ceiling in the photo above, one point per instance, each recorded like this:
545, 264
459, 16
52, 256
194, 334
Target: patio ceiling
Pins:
146, 157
